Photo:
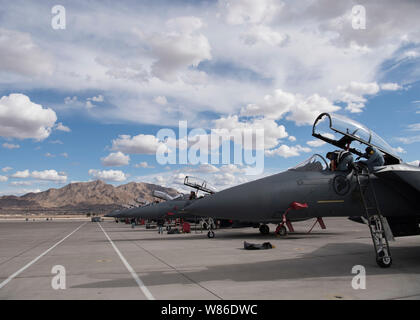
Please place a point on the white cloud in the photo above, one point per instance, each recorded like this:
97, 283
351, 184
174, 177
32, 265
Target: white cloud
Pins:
62, 127
238, 12
414, 127
143, 164
302, 110
21, 174
49, 155
140, 144
21, 183
108, 175
64, 154
89, 105
400, 150
21, 55
409, 140
56, 142
287, 151
99, 98
20, 118
204, 168
354, 93
390, 86
49, 175
10, 146
70, 100
6, 169
160, 100
3, 178
179, 48
315, 143
265, 35
273, 132
116, 159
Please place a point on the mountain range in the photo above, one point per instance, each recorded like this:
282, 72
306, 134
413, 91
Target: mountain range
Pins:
82, 197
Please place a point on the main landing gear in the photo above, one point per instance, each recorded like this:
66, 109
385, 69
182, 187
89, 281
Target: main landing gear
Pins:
264, 229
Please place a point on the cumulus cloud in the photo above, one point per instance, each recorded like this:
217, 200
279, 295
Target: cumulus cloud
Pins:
20, 118
61, 127
265, 35
315, 143
99, 98
46, 175
409, 140
238, 12
140, 144
390, 86
21, 174
204, 168
354, 94
3, 178
161, 100
143, 164
10, 146
21, 55
302, 110
116, 159
179, 48
49, 175
273, 132
287, 151
108, 175
6, 169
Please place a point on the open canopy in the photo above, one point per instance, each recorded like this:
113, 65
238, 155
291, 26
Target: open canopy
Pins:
199, 184
344, 133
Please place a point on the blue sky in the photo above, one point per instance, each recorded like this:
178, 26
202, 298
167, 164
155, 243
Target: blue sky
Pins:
87, 101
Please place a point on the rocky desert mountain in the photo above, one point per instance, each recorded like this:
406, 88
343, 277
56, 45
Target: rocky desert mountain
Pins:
82, 197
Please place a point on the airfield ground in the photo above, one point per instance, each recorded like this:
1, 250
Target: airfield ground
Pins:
112, 261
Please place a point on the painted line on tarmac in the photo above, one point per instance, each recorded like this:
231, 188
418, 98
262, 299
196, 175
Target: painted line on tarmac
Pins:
140, 283
10, 278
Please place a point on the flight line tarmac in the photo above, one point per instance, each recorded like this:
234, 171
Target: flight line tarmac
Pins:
112, 261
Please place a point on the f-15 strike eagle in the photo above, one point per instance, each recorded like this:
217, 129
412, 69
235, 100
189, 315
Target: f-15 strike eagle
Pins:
386, 198
171, 207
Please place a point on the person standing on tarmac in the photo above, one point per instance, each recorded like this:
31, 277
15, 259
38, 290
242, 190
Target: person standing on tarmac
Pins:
160, 223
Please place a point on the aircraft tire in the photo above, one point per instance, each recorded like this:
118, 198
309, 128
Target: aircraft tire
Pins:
282, 231
210, 234
384, 262
264, 229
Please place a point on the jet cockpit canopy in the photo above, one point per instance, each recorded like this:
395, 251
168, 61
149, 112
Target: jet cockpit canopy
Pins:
162, 195
314, 163
199, 184
341, 132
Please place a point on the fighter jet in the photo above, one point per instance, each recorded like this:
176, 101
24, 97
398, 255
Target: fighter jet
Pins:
385, 198
172, 207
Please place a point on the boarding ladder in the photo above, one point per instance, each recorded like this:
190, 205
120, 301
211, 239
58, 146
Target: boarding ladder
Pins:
378, 224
